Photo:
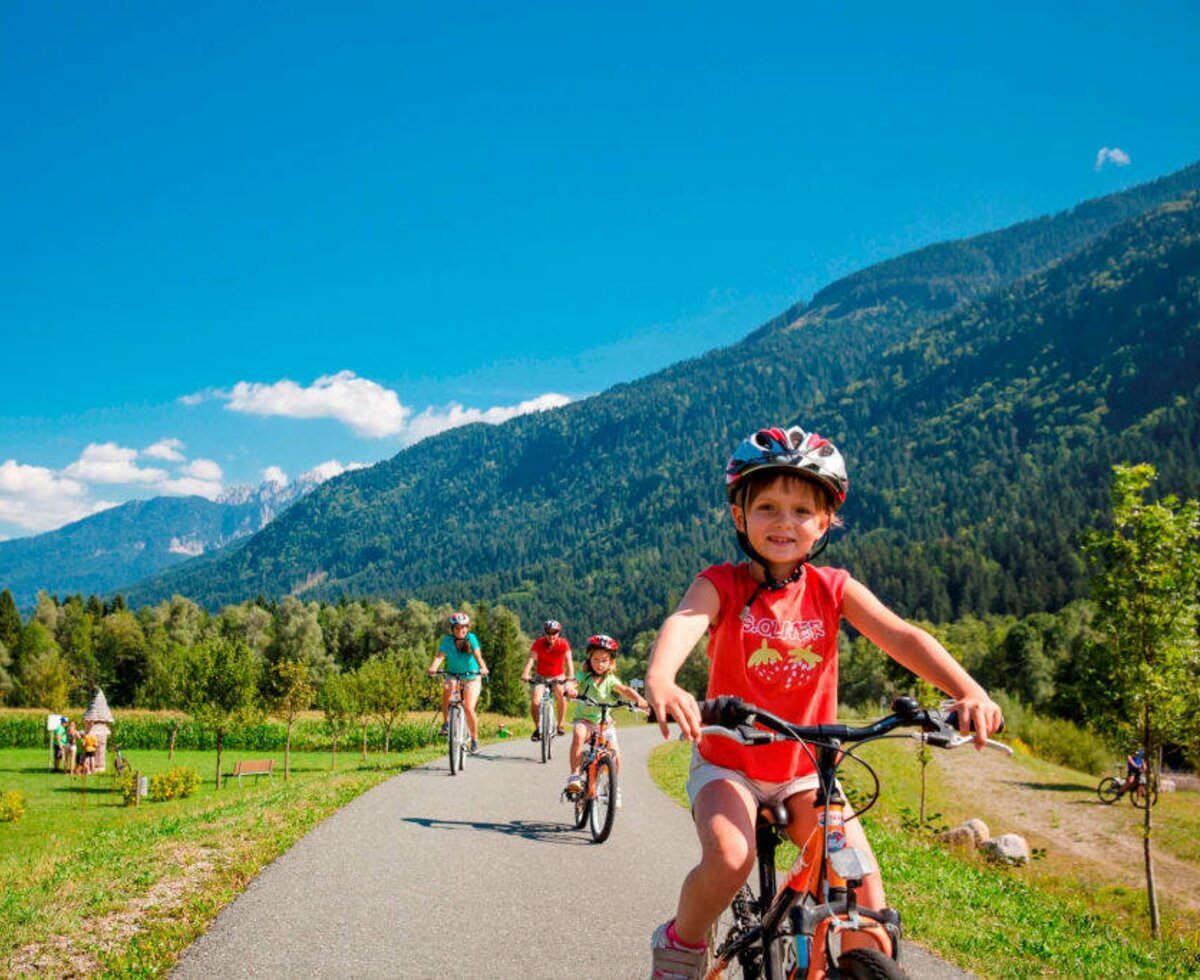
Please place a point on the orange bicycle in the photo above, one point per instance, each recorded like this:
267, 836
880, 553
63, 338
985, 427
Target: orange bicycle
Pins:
596, 802
796, 930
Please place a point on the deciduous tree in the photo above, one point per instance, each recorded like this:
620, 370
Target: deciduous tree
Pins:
221, 686
1146, 582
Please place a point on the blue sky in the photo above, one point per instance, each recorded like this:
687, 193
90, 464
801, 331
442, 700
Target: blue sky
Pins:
247, 238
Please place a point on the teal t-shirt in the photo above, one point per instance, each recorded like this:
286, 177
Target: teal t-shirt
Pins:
458, 662
601, 689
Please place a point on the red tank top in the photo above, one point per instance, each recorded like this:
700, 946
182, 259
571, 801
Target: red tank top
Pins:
782, 656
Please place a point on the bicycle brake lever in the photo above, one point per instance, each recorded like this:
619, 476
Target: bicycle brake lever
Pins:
953, 740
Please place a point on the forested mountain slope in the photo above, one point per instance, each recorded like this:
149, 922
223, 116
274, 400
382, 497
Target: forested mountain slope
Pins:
979, 389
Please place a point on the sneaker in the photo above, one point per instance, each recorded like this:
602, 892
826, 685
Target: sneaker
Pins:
474, 746
536, 736
560, 731
444, 730
574, 785
672, 960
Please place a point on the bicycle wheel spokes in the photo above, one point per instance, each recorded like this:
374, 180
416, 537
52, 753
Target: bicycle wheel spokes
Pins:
604, 802
1109, 789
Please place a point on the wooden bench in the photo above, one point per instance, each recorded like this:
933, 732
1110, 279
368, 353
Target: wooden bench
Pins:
253, 767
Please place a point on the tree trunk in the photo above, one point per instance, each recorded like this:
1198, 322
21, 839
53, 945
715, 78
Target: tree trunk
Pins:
923, 756
218, 760
287, 753
1151, 896
333, 765
364, 743
171, 744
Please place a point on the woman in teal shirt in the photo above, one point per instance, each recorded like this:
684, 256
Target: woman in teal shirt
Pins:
461, 654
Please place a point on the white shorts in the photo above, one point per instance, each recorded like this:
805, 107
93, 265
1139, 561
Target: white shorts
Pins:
701, 772
610, 731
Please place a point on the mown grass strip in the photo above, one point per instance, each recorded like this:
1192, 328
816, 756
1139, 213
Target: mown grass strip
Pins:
994, 922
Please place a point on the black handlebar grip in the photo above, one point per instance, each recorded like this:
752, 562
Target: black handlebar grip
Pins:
726, 711
952, 722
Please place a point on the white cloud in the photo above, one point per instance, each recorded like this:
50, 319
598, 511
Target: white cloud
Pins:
432, 421
190, 486
168, 449
1114, 155
203, 469
367, 407
328, 470
38, 499
275, 475
371, 410
107, 462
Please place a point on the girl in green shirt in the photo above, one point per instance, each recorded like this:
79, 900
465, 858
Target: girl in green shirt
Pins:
597, 680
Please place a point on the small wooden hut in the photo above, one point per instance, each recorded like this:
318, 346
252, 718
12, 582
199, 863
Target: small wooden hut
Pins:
98, 719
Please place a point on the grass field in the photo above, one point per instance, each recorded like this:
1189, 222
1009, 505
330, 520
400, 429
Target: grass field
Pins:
1000, 923
91, 887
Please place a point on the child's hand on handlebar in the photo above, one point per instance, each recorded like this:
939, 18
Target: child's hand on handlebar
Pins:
978, 715
669, 702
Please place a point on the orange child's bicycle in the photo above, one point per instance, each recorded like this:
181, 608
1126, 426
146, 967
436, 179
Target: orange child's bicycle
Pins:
797, 929
596, 803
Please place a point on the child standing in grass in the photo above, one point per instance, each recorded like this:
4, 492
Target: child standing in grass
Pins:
773, 627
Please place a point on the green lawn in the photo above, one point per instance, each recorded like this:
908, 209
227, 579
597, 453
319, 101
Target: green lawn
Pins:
993, 922
91, 887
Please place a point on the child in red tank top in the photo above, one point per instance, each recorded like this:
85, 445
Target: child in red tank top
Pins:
772, 628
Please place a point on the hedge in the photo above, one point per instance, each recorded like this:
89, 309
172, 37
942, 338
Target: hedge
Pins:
153, 731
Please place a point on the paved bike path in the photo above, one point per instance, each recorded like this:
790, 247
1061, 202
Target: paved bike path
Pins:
480, 874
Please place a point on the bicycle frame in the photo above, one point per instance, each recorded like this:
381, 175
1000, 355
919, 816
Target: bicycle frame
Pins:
817, 903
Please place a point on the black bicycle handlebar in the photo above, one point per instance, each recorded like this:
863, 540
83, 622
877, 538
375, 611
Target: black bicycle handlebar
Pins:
741, 716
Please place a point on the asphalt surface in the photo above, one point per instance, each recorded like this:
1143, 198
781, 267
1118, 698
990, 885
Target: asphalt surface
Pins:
433, 875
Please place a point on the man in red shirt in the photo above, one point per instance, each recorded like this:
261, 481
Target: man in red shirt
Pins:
552, 655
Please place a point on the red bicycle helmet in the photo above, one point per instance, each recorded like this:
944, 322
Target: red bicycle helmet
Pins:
602, 641
460, 619
551, 626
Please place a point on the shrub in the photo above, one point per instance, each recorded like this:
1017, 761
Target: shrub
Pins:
1055, 739
175, 784
127, 786
12, 806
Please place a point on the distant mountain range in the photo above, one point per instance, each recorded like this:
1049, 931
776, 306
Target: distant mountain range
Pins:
980, 390
114, 547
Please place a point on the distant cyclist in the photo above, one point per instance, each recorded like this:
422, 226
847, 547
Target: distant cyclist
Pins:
461, 653
551, 653
1135, 768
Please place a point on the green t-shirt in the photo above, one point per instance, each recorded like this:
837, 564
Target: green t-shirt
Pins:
598, 689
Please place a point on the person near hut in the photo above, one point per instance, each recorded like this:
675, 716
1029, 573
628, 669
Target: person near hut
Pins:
89, 750
60, 745
73, 753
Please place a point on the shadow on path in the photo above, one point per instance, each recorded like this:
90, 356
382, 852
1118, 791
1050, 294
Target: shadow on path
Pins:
1053, 787
553, 833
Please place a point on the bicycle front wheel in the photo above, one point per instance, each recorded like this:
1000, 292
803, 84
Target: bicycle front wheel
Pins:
867, 964
546, 717
454, 738
604, 802
1109, 789
1144, 796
